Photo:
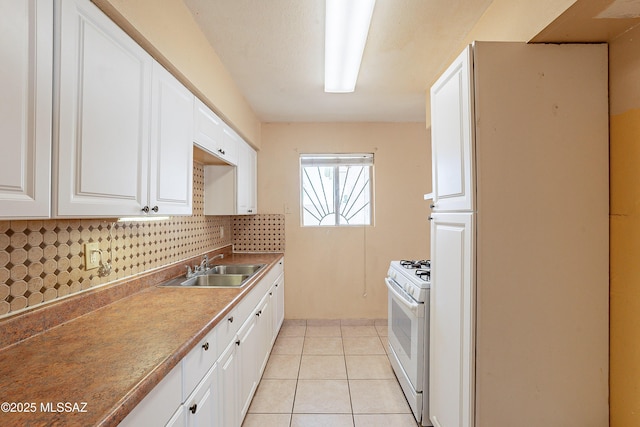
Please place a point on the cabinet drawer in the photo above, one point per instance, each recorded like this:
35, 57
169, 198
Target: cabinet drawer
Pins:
199, 360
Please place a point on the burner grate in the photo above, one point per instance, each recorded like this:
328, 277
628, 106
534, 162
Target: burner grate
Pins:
420, 264
424, 274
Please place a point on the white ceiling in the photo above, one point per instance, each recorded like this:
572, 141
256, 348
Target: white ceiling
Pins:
275, 52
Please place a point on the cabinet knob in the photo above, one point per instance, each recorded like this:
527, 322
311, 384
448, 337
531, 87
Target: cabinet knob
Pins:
432, 206
221, 151
230, 319
238, 343
155, 209
430, 218
259, 313
205, 346
193, 408
145, 209
270, 293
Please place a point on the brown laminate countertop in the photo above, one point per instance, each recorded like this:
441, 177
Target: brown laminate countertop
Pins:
99, 366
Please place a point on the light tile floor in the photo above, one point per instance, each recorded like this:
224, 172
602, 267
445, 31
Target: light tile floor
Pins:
329, 373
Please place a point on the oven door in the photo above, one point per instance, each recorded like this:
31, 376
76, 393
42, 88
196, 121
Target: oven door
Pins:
407, 334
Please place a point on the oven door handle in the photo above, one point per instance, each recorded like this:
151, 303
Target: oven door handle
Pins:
411, 305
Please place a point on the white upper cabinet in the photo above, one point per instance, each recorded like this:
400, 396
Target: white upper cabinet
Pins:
247, 179
124, 124
26, 49
212, 135
452, 137
231, 190
103, 92
171, 154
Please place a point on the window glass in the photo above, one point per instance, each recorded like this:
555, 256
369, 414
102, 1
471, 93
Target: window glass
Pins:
336, 189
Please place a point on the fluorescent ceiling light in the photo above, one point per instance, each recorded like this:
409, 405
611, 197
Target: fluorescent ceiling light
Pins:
346, 29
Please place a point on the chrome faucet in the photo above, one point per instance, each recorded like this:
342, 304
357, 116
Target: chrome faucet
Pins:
202, 267
204, 264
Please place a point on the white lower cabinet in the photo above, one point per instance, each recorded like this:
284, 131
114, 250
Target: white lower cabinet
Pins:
265, 330
228, 390
278, 305
215, 382
179, 419
201, 409
160, 405
249, 343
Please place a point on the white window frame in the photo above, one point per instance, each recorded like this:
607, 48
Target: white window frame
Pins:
317, 194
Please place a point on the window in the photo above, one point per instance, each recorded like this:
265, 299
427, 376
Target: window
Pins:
336, 189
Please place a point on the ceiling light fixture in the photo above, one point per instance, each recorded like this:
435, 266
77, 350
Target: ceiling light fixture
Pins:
346, 29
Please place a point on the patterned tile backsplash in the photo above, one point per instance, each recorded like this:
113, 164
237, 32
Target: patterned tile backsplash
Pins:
44, 259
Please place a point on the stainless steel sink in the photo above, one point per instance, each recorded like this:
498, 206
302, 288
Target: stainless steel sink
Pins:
246, 269
217, 280
219, 276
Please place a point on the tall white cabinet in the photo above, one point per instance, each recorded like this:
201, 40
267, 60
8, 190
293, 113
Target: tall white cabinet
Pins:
519, 297
26, 49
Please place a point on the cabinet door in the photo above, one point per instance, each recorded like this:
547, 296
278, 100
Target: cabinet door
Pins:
103, 112
452, 137
198, 361
171, 154
159, 406
227, 390
179, 419
26, 49
201, 407
452, 320
207, 129
230, 145
264, 331
278, 306
248, 350
246, 179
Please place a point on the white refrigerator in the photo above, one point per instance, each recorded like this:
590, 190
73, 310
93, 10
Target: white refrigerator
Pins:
519, 238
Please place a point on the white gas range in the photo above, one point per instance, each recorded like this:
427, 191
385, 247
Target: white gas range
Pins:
409, 284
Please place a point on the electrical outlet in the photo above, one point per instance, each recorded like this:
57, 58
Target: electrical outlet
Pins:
91, 256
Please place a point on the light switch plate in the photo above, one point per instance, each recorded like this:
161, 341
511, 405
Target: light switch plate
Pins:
91, 256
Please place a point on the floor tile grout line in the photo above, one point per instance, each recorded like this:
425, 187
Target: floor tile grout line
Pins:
381, 340
295, 390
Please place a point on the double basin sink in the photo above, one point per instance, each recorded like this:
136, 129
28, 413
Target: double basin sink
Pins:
219, 276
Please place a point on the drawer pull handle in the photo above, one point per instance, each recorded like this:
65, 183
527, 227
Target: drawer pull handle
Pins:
230, 319
193, 408
205, 346
259, 313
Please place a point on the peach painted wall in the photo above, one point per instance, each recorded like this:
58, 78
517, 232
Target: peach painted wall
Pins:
624, 86
338, 272
509, 21
168, 31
